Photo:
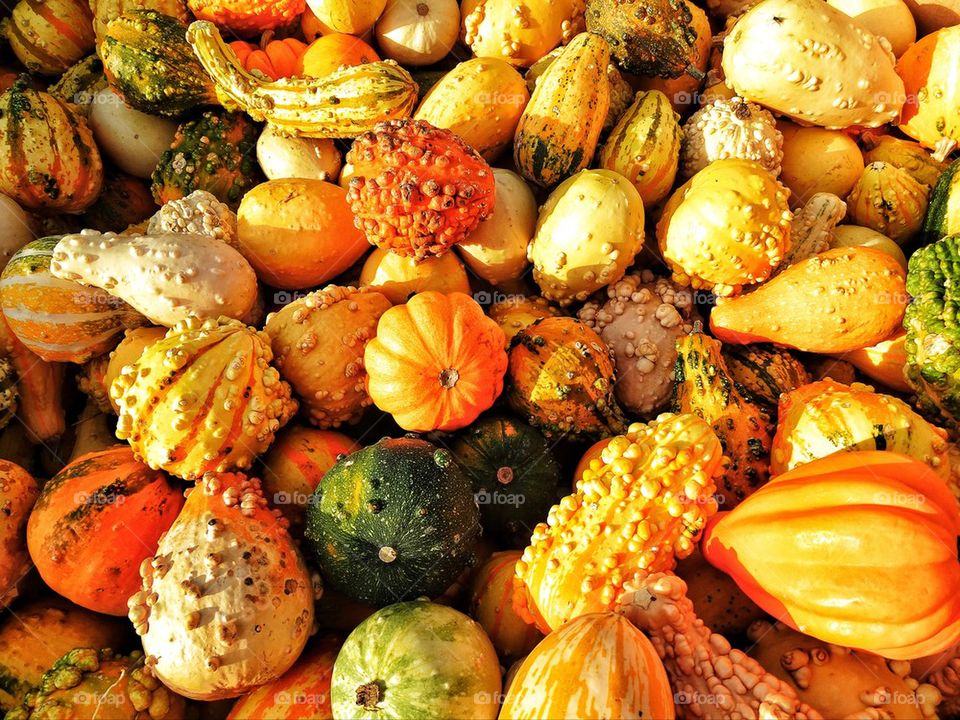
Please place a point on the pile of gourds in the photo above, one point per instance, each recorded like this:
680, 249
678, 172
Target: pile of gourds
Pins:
492, 359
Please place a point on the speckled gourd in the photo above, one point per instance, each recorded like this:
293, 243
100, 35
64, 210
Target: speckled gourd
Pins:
731, 128
318, 342
888, 200
701, 663
809, 61
638, 507
18, 492
227, 601
727, 227
205, 398
587, 235
90, 682
641, 320
199, 213
167, 277
9, 392
346, 103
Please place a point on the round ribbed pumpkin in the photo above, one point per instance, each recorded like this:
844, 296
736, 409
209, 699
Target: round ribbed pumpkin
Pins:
595, 666
436, 362
888, 200
50, 36
48, 158
491, 605
95, 522
857, 549
274, 58
59, 320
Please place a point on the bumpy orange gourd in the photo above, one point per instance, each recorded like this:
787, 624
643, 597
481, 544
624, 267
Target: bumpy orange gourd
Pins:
274, 58
637, 508
436, 363
857, 549
245, 17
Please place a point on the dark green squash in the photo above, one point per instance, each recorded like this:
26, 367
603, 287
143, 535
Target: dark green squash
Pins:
392, 522
148, 60
655, 38
943, 210
216, 152
514, 477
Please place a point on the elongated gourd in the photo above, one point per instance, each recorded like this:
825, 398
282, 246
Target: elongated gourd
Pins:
346, 103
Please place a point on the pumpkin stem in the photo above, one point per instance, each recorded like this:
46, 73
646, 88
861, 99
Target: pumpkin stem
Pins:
266, 38
697, 327
368, 695
387, 554
741, 109
694, 72
423, 9
505, 475
449, 378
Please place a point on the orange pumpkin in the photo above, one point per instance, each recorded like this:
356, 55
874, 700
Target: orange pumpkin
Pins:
856, 549
329, 53
274, 58
301, 693
595, 666
95, 522
248, 17
491, 605
436, 362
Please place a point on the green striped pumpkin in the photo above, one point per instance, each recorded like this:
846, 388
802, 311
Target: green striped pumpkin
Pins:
48, 36
59, 320
943, 210
416, 660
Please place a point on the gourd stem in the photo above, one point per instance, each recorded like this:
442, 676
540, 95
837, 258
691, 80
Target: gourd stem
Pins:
368, 695
423, 9
505, 475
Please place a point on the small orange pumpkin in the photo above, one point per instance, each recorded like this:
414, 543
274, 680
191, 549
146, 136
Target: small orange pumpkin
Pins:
329, 53
856, 549
436, 362
95, 522
274, 58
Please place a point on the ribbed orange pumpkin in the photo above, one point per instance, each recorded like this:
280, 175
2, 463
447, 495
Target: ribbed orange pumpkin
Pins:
245, 17
595, 666
274, 58
95, 522
857, 549
301, 693
436, 362
329, 53
491, 605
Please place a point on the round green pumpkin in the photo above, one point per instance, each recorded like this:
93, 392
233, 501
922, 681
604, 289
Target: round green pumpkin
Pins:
416, 660
514, 476
392, 522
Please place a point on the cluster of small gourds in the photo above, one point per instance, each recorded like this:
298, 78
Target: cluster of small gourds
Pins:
514, 359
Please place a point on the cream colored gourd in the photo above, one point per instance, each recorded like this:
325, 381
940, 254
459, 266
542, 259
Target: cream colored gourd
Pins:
588, 233
283, 156
227, 602
890, 19
199, 213
857, 236
809, 61
133, 140
497, 249
813, 226
731, 128
419, 32
167, 278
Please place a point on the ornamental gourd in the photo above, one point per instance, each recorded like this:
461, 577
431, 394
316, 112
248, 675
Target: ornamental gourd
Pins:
226, 603
345, 104
636, 509
399, 277
421, 33
18, 492
596, 665
558, 132
205, 398
825, 417
856, 549
809, 61
727, 227
40, 386
765, 372
274, 58
48, 158
888, 200
491, 605
515, 312
106, 10
248, 18
436, 362
51, 36
904, 154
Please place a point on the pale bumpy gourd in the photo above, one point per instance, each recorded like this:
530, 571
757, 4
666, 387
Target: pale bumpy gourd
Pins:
588, 233
226, 603
167, 278
811, 231
807, 60
199, 213
205, 398
727, 227
731, 128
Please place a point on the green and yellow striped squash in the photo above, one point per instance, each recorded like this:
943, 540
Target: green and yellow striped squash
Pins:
644, 146
561, 125
416, 660
346, 103
59, 320
48, 36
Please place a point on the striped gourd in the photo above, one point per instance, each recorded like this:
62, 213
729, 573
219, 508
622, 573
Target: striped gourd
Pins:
595, 666
826, 417
764, 371
904, 154
560, 127
59, 320
48, 158
644, 146
888, 200
106, 10
48, 36
943, 211
491, 605
346, 103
